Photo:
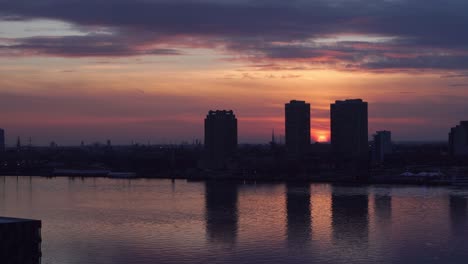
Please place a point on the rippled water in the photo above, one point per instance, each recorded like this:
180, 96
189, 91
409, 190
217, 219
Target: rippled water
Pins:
163, 221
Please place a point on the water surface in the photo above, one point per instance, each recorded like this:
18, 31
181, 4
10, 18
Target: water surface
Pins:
162, 221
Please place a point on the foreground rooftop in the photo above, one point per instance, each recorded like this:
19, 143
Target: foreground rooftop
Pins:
10, 220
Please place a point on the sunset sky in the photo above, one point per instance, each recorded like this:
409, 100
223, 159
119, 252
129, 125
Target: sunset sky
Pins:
149, 70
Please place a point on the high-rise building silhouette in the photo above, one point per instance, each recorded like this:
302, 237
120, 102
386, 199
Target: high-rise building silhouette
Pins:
458, 139
2, 140
349, 136
297, 126
220, 138
382, 145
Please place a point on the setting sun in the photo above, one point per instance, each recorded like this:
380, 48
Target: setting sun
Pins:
322, 138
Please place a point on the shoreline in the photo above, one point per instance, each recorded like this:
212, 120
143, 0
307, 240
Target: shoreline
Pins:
292, 179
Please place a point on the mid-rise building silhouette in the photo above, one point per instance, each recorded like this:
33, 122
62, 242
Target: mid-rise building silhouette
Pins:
349, 136
2, 140
382, 145
458, 139
220, 138
297, 123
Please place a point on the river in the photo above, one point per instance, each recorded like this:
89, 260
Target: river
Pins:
115, 221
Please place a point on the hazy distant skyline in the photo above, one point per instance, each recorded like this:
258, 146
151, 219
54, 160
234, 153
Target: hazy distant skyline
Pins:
151, 69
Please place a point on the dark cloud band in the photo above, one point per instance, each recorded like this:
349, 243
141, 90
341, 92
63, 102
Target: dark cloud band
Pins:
428, 34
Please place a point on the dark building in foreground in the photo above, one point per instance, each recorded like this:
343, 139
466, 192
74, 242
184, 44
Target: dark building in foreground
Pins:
220, 138
349, 136
458, 139
297, 126
2, 140
382, 145
20, 241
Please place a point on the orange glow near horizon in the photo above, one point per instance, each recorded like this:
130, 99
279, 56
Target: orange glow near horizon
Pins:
321, 133
162, 99
322, 138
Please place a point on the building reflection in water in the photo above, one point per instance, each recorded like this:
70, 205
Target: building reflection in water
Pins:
459, 214
350, 217
383, 215
383, 206
298, 214
221, 214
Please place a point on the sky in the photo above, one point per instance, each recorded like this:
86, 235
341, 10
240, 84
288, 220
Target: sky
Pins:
149, 70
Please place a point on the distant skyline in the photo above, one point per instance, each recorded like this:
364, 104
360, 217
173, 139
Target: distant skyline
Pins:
149, 70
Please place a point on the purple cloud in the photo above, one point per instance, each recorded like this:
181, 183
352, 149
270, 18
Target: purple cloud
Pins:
426, 34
